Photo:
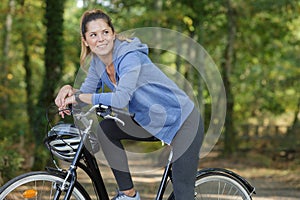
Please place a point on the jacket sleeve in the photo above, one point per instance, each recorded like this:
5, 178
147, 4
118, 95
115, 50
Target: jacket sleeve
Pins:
128, 70
92, 82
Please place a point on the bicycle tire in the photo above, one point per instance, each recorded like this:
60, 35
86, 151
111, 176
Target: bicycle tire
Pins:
41, 183
219, 186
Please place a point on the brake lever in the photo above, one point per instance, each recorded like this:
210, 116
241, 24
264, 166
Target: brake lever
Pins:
106, 112
114, 118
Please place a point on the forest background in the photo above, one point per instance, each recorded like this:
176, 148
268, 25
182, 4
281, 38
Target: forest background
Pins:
255, 44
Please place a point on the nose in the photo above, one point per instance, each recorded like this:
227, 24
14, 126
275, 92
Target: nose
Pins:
100, 38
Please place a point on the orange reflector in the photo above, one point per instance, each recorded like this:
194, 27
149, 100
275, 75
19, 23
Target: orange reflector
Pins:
31, 193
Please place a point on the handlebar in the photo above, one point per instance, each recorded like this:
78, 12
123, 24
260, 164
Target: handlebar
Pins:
104, 111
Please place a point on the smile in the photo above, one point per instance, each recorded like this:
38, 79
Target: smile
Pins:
102, 46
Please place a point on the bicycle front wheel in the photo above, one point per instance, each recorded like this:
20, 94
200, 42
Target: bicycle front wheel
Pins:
37, 185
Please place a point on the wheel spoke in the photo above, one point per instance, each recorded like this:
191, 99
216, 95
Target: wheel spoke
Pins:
219, 187
35, 185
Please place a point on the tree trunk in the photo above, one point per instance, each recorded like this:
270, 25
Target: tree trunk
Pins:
5, 58
230, 133
53, 73
296, 123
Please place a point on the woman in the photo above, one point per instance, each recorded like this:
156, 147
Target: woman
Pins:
161, 110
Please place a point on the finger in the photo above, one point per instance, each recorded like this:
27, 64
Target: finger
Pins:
57, 102
67, 112
61, 111
62, 94
70, 92
69, 100
61, 114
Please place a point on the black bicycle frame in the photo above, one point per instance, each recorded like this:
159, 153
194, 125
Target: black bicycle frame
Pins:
167, 174
92, 170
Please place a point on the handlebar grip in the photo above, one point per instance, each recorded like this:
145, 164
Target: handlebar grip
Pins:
104, 109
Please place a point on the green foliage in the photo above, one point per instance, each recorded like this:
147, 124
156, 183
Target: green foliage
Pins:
10, 160
264, 77
266, 62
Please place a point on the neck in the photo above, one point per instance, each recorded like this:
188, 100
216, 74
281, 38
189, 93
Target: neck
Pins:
107, 60
110, 67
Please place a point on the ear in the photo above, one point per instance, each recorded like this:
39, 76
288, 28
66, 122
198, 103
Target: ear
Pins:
84, 42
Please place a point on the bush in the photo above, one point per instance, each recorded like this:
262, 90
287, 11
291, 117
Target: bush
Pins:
10, 161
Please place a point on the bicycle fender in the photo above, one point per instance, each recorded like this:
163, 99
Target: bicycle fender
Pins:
243, 181
55, 171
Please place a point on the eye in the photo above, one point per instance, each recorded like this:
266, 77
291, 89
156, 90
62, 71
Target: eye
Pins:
92, 34
106, 32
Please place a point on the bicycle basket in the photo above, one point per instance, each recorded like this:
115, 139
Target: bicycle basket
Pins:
63, 140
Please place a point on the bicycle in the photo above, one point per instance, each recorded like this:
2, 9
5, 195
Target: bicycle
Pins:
55, 183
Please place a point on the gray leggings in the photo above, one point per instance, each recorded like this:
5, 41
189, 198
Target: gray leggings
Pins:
186, 146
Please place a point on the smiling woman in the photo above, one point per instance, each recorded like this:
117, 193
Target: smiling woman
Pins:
161, 110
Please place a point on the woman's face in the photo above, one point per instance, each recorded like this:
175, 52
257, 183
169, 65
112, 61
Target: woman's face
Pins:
99, 37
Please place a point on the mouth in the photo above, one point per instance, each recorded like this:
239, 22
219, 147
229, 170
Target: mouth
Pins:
101, 46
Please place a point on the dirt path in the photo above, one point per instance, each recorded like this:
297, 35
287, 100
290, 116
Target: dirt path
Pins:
274, 189
270, 184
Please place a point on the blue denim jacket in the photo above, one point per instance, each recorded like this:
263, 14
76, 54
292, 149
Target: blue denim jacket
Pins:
158, 104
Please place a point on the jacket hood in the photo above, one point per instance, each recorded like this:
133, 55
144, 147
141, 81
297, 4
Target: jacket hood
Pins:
121, 48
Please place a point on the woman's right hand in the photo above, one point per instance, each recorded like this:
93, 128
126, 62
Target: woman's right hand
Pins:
60, 100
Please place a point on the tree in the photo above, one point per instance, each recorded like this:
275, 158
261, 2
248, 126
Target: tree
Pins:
5, 58
53, 73
266, 76
227, 64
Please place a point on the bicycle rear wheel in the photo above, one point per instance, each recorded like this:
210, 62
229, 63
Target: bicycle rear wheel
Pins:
37, 185
211, 186
220, 186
